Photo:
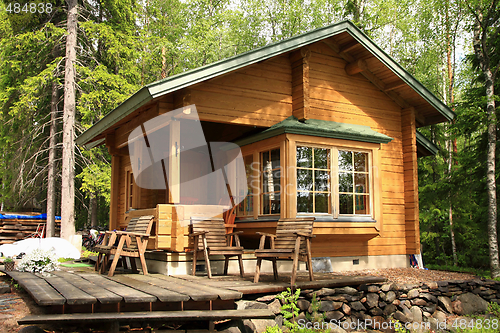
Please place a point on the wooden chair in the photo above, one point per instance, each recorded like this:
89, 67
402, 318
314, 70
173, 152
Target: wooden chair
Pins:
210, 238
291, 242
131, 243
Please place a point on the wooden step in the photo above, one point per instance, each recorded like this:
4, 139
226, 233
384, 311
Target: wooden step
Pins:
124, 317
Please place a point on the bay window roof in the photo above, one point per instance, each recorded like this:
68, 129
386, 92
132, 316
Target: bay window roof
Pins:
319, 128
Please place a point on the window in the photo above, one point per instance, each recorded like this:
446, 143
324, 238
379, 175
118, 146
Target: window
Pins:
333, 181
313, 180
245, 207
129, 189
271, 182
353, 178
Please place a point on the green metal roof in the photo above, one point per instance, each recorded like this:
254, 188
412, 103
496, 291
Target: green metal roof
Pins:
427, 144
321, 128
186, 79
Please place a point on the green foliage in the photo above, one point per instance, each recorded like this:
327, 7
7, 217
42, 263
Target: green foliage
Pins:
494, 309
289, 309
315, 315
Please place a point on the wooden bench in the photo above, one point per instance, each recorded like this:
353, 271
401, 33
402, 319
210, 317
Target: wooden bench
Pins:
292, 241
131, 244
210, 238
113, 320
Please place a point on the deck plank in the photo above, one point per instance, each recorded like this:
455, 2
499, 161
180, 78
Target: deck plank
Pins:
42, 292
224, 294
167, 283
103, 295
130, 295
162, 294
72, 294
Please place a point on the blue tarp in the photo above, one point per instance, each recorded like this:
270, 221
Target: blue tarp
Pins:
25, 217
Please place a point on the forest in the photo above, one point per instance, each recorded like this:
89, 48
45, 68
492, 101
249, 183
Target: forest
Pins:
117, 46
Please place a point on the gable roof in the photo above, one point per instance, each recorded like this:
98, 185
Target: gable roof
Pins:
322, 128
418, 95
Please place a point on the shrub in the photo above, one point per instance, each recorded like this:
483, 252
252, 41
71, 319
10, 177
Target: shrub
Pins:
39, 261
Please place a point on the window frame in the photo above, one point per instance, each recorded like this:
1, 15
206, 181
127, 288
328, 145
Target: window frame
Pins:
373, 150
334, 181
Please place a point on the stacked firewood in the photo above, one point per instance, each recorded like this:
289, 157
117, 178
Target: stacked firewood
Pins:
12, 230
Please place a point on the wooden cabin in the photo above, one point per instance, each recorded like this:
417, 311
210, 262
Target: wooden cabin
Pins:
326, 115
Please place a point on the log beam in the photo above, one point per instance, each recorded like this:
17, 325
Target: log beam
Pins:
356, 67
300, 83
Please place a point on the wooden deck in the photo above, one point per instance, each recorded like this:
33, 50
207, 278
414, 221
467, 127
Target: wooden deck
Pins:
68, 292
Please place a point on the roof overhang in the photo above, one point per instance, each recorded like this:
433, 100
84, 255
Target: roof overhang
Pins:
425, 147
399, 78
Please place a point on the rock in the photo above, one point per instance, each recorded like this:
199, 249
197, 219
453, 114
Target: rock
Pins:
335, 298
326, 306
333, 315
396, 302
439, 315
337, 305
373, 288
325, 292
407, 304
303, 304
398, 315
5, 289
389, 309
378, 323
413, 293
371, 300
437, 325
418, 302
457, 307
428, 297
445, 303
407, 314
363, 300
472, 304
416, 313
248, 326
267, 298
275, 306
442, 283
382, 304
376, 312
431, 308
251, 305
431, 285
390, 296
386, 287
347, 290
336, 329
262, 324
358, 306
346, 309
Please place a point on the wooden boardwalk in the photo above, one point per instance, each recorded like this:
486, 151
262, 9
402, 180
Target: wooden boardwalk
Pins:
68, 292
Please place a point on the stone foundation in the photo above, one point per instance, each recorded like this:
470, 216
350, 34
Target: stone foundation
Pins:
434, 306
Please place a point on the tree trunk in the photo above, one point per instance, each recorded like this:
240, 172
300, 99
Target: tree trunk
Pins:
481, 52
451, 99
51, 176
93, 210
68, 155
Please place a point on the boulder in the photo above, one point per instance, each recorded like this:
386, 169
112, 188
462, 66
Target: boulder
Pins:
428, 297
376, 312
385, 287
324, 292
346, 309
333, 315
390, 296
418, 302
472, 303
371, 300
347, 290
389, 309
275, 306
303, 304
358, 306
439, 315
398, 315
416, 314
445, 303
337, 305
457, 307
326, 306
413, 293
